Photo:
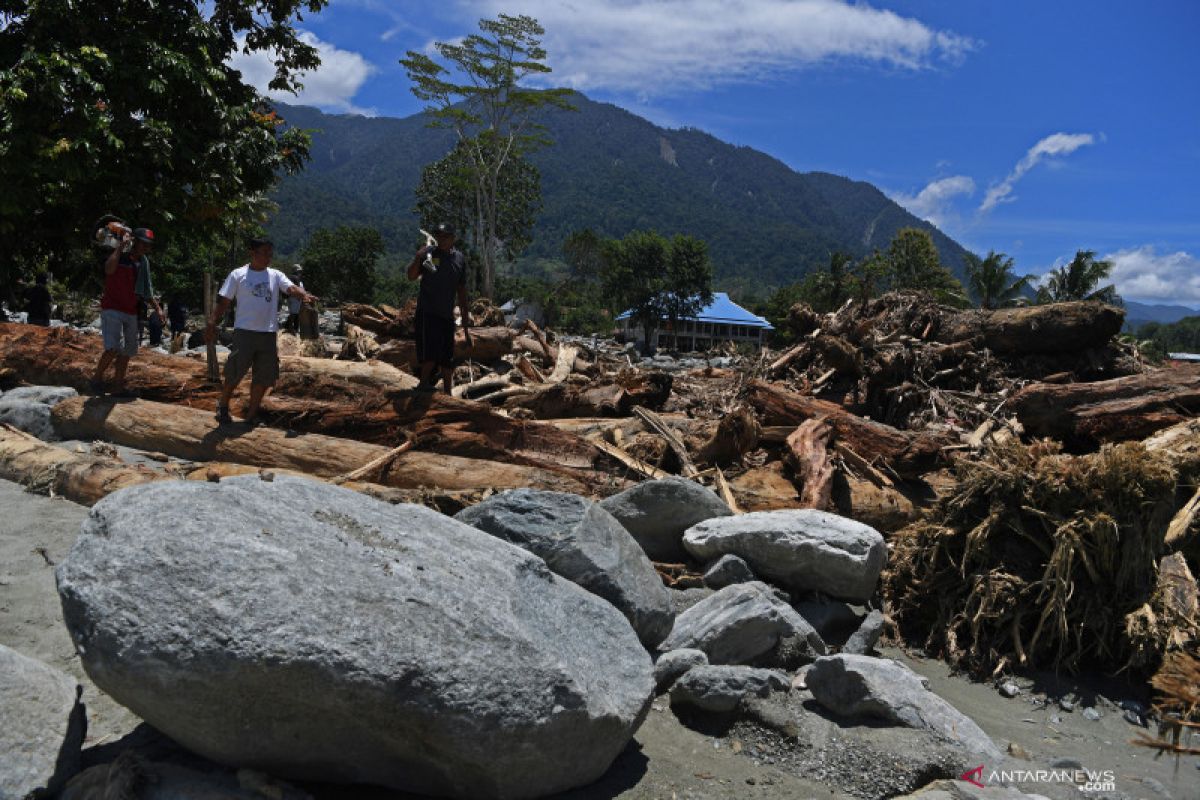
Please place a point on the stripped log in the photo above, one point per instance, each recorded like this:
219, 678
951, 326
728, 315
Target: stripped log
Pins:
908, 453
487, 344
194, 435
81, 477
1121, 409
808, 455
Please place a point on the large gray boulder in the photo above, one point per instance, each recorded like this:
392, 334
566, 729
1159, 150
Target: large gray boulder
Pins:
582, 542
27, 408
42, 724
658, 512
315, 633
800, 549
862, 686
741, 623
721, 689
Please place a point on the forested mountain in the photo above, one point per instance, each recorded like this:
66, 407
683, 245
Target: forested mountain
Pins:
766, 225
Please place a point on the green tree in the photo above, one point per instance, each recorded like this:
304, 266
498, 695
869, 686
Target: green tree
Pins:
130, 107
340, 263
913, 263
481, 97
446, 192
1078, 281
656, 278
991, 281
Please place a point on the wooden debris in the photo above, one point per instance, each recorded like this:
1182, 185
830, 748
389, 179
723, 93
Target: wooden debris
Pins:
655, 423
726, 492
637, 465
1133, 407
194, 435
808, 455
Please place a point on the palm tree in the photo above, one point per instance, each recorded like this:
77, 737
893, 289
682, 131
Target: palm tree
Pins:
992, 282
1078, 281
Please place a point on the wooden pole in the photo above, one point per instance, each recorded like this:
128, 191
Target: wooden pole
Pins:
214, 374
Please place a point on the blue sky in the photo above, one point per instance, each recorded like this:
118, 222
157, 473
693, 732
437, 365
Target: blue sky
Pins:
1031, 128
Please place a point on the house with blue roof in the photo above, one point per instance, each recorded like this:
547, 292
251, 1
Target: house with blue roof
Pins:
720, 321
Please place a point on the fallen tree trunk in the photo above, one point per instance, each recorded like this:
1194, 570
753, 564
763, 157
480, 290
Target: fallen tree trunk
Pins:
383, 320
85, 478
81, 477
487, 344
1121, 409
1036, 329
907, 453
365, 401
194, 435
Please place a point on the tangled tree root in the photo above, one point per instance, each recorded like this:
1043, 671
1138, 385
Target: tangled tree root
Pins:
1041, 559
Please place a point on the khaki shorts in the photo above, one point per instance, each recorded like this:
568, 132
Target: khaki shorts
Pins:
253, 349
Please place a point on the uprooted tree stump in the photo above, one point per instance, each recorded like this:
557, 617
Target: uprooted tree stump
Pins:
1040, 559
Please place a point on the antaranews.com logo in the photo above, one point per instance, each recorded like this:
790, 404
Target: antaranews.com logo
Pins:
1085, 780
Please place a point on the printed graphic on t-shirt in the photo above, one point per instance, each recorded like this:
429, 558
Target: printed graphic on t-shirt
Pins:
262, 290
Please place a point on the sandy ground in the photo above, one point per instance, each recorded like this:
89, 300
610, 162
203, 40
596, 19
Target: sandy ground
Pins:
667, 759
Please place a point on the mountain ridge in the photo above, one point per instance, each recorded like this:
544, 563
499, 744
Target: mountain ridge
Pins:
766, 224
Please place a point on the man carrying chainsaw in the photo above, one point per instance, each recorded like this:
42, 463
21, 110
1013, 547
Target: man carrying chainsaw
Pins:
442, 270
126, 279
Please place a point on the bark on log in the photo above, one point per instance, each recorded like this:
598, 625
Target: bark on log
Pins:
907, 453
1085, 414
81, 477
194, 435
85, 478
369, 402
487, 344
1036, 329
808, 455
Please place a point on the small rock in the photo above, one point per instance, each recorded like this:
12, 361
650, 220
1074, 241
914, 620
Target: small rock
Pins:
1055, 719
1009, 689
726, 571
672, 665
1092, 714
1016, 751
1134, 718
1066, 705
721, 688
1066, 763
863, 640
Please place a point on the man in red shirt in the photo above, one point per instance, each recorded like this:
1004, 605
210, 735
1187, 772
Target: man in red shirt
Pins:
118, 308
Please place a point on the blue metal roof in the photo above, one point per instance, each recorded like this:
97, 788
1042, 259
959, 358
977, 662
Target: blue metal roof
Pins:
725, 311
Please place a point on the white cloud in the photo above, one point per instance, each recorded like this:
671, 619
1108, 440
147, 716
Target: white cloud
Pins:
659, 47
1141, 273
1057, 144
330, 87
933, 202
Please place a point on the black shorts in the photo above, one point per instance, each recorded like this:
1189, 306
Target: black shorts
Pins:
435, 339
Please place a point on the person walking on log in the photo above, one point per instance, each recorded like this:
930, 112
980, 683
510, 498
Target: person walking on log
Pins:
126, 279
256, 289
442, 270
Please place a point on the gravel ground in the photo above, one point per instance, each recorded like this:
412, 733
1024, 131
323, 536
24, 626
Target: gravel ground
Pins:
784, 748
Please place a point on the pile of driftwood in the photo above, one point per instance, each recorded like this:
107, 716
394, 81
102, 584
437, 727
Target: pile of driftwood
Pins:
889, 412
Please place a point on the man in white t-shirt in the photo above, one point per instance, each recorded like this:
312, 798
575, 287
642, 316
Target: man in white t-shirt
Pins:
256, 288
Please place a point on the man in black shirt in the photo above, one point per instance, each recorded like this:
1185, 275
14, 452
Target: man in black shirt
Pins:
442, 271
